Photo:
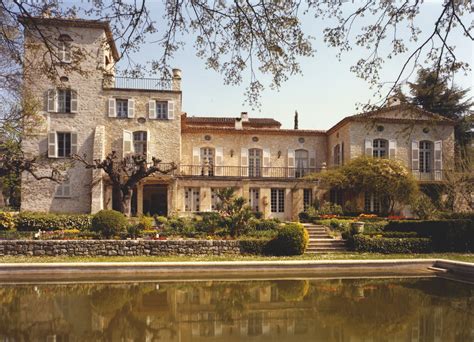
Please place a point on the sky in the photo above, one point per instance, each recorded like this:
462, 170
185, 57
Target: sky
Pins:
326, 92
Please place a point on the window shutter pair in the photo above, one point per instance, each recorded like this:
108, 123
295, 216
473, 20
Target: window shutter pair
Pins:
112, 108
291, 163
196, 168
219, 161
63, 189
438, 160
244, 162
266, 162
152, 109
53, 101
127, 147
53, 142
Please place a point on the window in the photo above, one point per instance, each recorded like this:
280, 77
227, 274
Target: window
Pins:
64, 144
277, 197
215, 200
302, 158
207, 161
191, 199
426, 156
63, 190
380, 148
372, 203
161, 109
122, 108
64, 52
337, 154
64, 101
140, 142
254, 199
255, 162
336, 197
307, 198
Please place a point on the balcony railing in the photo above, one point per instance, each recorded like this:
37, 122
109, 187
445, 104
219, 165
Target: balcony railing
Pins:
111, 82
434, 176
244, 171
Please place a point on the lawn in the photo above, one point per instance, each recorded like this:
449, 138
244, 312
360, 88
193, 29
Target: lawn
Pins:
336, 256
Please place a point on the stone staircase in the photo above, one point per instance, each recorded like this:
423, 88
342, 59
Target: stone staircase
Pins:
321, 242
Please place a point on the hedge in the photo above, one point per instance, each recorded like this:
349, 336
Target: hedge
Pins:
254, 246
446, 235
364, 243
292, 239
393, 234
31, 221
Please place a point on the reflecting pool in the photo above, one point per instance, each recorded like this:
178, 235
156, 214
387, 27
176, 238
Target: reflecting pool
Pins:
426, 309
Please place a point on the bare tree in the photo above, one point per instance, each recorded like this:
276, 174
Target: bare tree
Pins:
126, 173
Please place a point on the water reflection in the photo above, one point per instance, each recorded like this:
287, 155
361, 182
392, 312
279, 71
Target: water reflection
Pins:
290, 310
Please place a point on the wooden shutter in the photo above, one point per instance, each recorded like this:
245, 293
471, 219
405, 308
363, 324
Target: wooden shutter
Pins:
152, 109
438, 160
219, 161
196, 167
312, 160
73, 143
291, 163
170, 110
74, 101
62, 51
112, 111
52, 141
52, 100
368, 148
266, 162
131, 108
148, 146
244, 162
127, 143
392, 149
415, 158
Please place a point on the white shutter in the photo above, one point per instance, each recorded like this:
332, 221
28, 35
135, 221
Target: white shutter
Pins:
291, 163
52, 150
52, 100
127, 143
148, 146
152, 109
312, 161
131, 108
112, 111
67, 53
170, 110
62, 51
219, 161
438, 160
244, 162
368, 148
73, 143
196, 167
392, 149
415, 158
74, 101
266, 162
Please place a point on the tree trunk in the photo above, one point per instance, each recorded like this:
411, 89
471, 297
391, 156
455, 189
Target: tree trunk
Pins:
127, 202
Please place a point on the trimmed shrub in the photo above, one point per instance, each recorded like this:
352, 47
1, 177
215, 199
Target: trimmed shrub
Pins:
446, 235
267, 225
393, 234
109, 223
7, 221
161, 220
180, 226
209, 223
292, 239
304, 217
145, 223
363, 243
460, 216
254, 246
31, 221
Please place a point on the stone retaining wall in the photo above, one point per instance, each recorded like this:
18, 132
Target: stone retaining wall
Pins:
119, 247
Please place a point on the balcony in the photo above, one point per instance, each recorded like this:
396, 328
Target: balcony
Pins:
434, 176
244, 171
129, 83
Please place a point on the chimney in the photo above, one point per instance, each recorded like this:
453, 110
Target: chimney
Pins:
238, 123
244, 116
393, 101
176, 81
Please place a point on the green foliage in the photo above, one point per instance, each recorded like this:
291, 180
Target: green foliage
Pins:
462, 216
423, 207
209, 223
292, 239
363, 243
393, 234
161, 220
446, 235
293, 290
7, 221
109, 223
254, 246
145, 223
32, 221
265, 224
180, 226
234, 210
328, 208
386, 177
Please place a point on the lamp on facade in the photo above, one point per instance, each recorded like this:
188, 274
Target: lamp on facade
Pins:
279, 154
231, 153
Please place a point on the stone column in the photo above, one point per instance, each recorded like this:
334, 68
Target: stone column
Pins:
297, 203
265, 203
176, 81
97, 191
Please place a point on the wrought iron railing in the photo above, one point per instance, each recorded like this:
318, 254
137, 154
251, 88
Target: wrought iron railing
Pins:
244, 171
433, 176
111, 82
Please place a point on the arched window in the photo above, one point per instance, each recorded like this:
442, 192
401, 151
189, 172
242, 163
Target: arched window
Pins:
140, 142
255, 162
380, 148
426, 156
207, 161
64, 48
337, 154
302, 162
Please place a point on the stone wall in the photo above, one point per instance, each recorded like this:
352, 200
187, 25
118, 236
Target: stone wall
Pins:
118, 247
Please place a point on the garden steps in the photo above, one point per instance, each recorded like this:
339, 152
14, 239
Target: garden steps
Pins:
321, 242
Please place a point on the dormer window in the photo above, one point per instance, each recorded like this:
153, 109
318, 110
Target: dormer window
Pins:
64, 48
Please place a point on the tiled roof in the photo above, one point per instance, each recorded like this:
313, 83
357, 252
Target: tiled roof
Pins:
229, 121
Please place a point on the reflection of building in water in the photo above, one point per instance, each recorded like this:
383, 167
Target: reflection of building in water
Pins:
257, 311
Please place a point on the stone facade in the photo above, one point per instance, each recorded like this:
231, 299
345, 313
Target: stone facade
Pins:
266, 164
118, 247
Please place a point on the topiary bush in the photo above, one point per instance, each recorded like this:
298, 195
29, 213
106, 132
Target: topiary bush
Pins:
109, 223
292, 239
254, 246
363, 243
31, 221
